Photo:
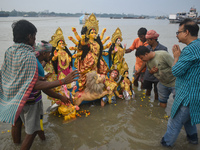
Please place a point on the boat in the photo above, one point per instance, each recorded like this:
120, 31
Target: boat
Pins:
140, 17
3, 14
160, 17
26, 15
115, 17
83, 18
178, 17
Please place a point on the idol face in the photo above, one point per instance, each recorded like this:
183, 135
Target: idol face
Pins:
114, 74
118, 41
61, 44
93, 34
126, 74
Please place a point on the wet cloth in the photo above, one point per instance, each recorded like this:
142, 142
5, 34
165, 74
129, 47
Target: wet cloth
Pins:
137, 43
31, 115
187, 73
163, 61
18, 76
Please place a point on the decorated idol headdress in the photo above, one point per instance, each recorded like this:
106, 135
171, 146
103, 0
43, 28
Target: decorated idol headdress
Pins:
57, 37
91, 23
117, 34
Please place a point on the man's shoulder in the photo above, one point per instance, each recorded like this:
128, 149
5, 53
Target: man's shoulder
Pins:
21, 46
162, 47
137, 39
194, 44
161, 52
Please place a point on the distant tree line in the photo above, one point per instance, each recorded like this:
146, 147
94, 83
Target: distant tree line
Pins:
15, 13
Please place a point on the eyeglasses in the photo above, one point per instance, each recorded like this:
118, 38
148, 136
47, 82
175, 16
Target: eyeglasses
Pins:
179, 32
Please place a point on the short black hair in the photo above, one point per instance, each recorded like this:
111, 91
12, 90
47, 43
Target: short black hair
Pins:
142, 50
142, 31
191, 26
21, 30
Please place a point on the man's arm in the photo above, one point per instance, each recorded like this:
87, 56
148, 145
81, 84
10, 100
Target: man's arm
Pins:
128, 50
41, 85
183, 63
141, 68
132, 47
153, 70
53, 94
176, 52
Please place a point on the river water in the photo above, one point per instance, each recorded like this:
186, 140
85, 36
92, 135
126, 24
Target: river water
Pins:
137, 124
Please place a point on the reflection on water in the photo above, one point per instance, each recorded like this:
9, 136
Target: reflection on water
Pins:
136, 124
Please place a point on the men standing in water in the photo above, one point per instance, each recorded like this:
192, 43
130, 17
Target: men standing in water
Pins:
19, 83
150, 79
159, 63
140, 41
185, 109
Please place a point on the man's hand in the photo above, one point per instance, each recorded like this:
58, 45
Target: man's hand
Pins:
176, 51
137, 73
47, 75
153, 70
41, 78
65, 100
71, 77
128, 50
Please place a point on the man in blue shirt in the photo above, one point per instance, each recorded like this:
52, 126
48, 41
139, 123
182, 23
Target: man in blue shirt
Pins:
150, 79
186, 107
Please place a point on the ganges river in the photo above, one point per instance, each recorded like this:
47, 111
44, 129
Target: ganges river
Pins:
137, 124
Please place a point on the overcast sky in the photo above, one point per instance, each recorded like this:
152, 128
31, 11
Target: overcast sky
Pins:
137, 7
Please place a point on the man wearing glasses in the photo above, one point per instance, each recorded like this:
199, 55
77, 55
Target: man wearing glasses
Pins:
186, 68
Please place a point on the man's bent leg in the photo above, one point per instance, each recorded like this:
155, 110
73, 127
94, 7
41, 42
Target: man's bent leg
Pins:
28, 141
16, 131
163, 94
